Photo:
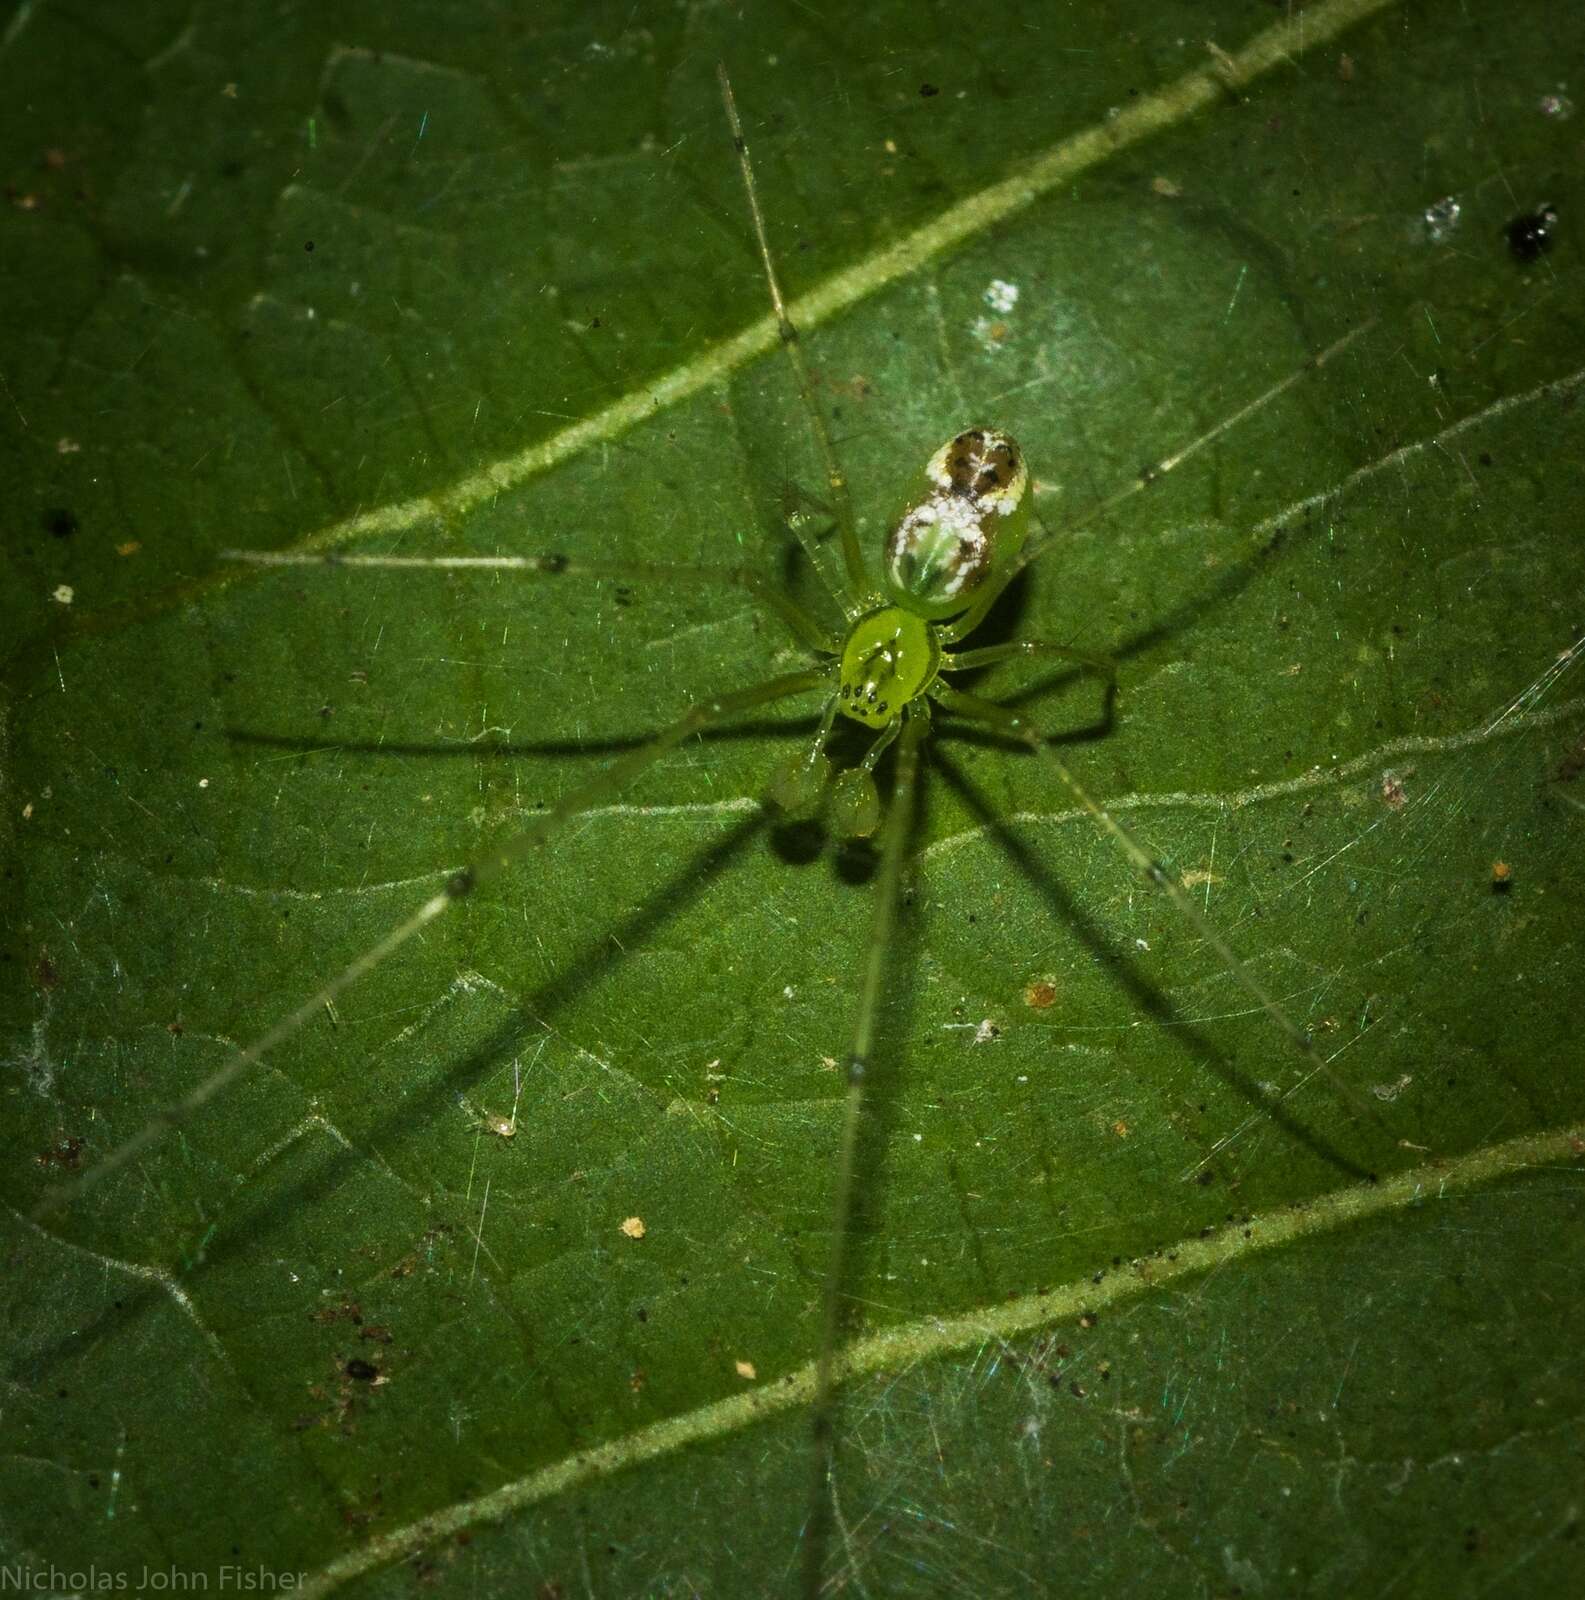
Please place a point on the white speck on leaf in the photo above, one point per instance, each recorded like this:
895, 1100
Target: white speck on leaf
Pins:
1001, 296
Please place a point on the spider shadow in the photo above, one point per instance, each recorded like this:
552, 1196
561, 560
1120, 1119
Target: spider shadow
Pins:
241, 1226
599, 960
800, 841
1221, 587
510, 749
884, 1077
795, 843
1150, 1000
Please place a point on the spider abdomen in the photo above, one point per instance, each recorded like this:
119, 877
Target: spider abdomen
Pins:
969, 522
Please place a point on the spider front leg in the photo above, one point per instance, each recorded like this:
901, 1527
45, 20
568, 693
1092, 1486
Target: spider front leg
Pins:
989, 655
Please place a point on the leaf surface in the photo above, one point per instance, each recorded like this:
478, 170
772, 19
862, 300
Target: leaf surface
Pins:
507, 1268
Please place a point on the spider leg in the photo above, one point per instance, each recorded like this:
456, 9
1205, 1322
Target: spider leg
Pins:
851, 593
966, 660
804, 627
894, 839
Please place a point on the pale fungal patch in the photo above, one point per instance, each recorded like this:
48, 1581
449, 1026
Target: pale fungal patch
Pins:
745, 1370
990, 333
634, 1227
1000, 295
64, 594
1195, 877
1440, 218
1394, 795
1391, 1091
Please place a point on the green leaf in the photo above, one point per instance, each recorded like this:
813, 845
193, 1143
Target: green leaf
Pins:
507, 1268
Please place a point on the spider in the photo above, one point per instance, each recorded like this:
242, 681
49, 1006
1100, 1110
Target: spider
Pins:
886, 668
